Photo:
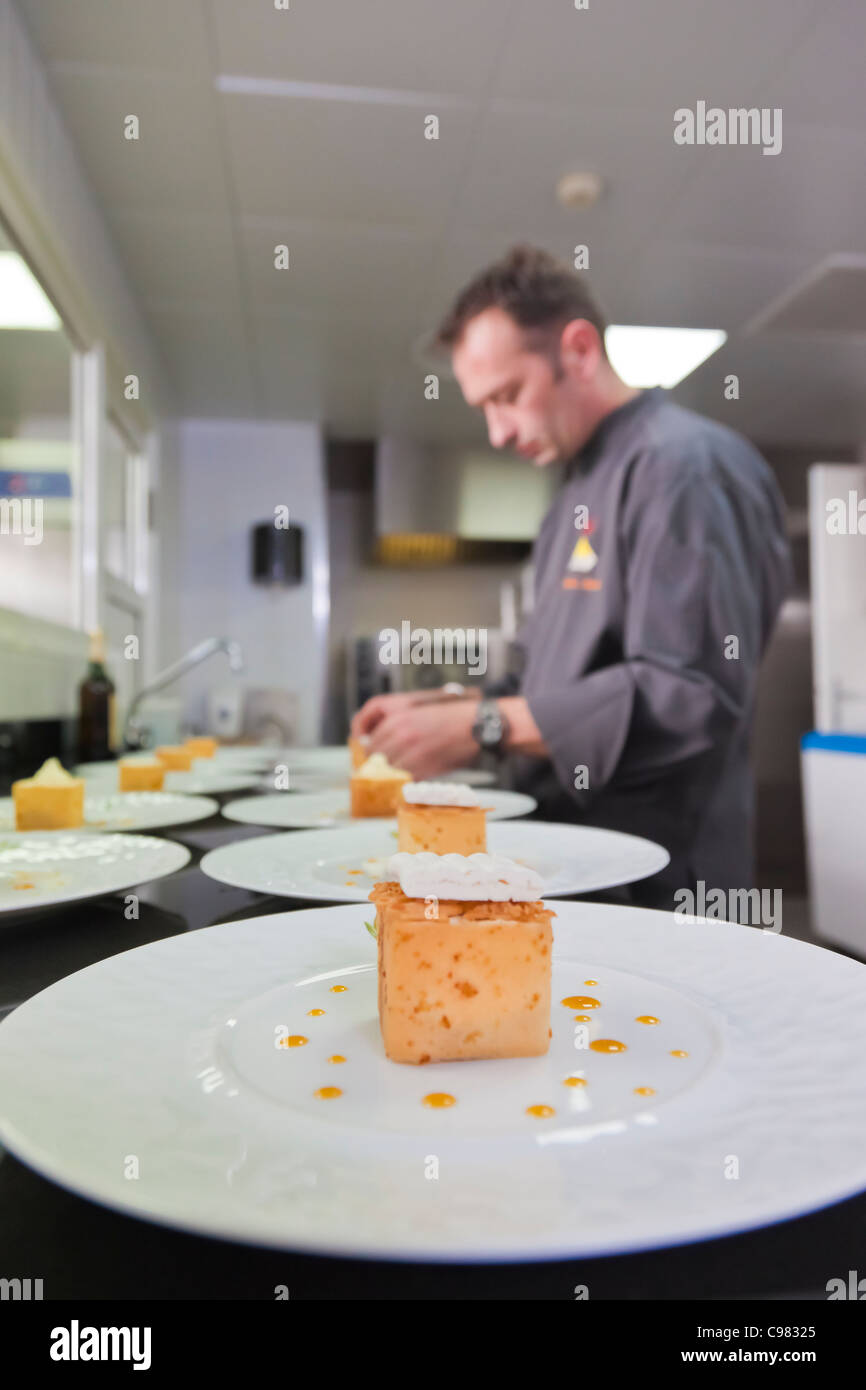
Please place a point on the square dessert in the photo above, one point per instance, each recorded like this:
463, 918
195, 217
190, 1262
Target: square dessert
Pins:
375, 787
174, 757
140, 776
442, 817
201, 745
51, 799
464, 956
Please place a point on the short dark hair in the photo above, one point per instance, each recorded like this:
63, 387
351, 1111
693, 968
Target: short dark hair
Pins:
532, 287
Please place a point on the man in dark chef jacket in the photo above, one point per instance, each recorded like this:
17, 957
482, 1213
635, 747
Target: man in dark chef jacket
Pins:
659, 571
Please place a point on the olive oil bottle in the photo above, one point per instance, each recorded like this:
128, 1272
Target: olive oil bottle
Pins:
96, 698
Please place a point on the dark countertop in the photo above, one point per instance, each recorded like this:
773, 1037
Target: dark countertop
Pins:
84, 1251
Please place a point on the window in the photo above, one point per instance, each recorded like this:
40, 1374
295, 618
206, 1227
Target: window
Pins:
40, 485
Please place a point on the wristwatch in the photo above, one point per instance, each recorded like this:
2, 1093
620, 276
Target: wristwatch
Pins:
490, 729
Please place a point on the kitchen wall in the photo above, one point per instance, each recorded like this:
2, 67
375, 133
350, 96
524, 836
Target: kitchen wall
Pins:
233, 473
367, 597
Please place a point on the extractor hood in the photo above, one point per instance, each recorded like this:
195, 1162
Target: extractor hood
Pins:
436, 504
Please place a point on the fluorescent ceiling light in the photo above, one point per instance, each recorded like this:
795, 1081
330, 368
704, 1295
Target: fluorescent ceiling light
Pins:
23, 302
645, 356
237, 85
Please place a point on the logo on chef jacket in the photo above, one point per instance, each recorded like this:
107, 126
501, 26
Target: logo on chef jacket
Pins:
583, 559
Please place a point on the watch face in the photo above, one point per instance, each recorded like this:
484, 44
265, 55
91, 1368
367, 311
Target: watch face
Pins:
488, 728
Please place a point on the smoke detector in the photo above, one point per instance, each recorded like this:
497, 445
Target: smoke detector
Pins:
579, 190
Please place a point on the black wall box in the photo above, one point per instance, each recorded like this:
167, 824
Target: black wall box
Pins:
277, 554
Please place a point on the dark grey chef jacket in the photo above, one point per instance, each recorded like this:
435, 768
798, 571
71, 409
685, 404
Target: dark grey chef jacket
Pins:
640, 659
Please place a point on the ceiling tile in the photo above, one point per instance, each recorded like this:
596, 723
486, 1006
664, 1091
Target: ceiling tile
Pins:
809, 197
699, 285
449, 47
176, 162
343, 160
152, 35
356, 274
183, 257
665, 54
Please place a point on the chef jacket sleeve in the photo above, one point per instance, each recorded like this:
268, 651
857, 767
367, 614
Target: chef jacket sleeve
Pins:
705, 571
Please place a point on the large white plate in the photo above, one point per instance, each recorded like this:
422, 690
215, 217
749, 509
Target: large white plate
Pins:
328, 865
307, 809
167, 1055
41, 868
129, 810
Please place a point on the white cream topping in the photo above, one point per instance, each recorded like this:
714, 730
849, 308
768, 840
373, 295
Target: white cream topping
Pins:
377, 766
440, 794
52, 774
464, 877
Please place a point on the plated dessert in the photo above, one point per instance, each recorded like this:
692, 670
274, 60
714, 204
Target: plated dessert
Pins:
374, 787
441, 817
175, 756
140, 775
202, 746
464, 958
52, 799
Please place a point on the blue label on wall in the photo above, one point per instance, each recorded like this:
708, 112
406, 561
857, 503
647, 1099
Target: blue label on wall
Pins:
27, 483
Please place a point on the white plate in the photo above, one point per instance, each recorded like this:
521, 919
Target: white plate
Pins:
309, 809
41, 868
203, 779
128, 810
334, 760
167, 1055
318, 864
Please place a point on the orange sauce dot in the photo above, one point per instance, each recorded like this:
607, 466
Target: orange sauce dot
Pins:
541, 1112
644, 1090
327, 1093
336, 1058
590, 982
293, 1040
678, 1052
439, 1100
581, 1001
607, 1045
574, 1081
645, 1018
315, 1013
338, 989
582, 1018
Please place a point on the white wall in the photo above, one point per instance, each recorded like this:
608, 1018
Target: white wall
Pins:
233, 473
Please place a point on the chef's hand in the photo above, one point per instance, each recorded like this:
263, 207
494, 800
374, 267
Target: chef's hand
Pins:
426, 739
377, 707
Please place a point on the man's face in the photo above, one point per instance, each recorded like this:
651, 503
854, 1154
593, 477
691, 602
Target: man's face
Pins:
529, 403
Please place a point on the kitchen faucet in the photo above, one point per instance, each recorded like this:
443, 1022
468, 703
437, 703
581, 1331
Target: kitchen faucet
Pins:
133, 731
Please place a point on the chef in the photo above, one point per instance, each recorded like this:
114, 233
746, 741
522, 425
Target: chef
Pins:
659, 571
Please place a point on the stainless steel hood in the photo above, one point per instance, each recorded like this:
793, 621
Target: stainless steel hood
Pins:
479, 500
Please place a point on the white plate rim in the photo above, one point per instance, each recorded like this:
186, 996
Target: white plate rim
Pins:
795, 1206
329, 839
240, 810
204, 807
181, 851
